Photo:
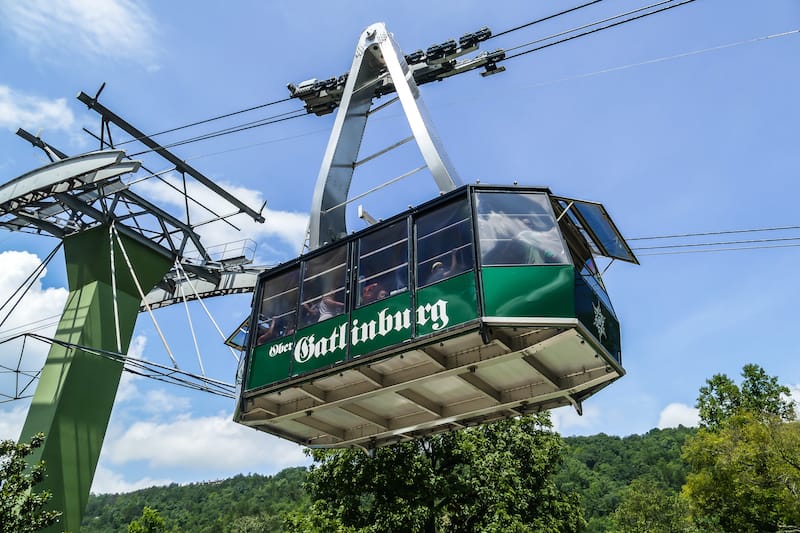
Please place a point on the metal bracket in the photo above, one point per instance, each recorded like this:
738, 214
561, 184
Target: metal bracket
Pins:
377, 57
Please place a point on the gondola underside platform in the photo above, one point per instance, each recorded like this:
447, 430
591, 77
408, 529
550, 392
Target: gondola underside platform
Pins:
428, 388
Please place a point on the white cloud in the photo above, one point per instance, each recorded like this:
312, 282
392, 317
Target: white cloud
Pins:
109, 29
109, 482
32, 112
289, 228
137, 346
127, 389
151, 403
210, 443
38, 303
11, 421
678, 414
157, 402
567, 419
794, 392
39, 311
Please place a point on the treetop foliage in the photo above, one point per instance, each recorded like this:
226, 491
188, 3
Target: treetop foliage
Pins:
494, 477
22, 509
745, 459
596, 470
739, 472
149, 522
252, 503
601, 468
759, 393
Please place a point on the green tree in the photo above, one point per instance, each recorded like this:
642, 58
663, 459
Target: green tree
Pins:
495, 477
21, 508
746, 460
647, 507
601, 467
250, 503
149, 522
253, 524
721, 398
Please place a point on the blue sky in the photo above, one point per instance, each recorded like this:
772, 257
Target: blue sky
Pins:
699, 143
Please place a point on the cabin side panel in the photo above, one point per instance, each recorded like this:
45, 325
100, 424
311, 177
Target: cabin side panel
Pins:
529, 291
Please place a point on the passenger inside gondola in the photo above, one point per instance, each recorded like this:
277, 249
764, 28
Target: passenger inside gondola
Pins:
309, 313
329, 308
372, 293
273, 331
439, 271
322, 292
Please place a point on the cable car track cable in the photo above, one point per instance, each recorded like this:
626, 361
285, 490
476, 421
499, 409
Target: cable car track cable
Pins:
718, 250
595, 23
618, 23
205, 121
233, 129
268, 120
560, 80
665, 58
9, 333
287, 99
721, 243
707, 233
543, 19
157, 371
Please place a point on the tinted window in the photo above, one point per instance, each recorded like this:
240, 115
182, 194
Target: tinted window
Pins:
277, 316
324, 279
604, 231
382, 263
444, 243
518, 229
585, 266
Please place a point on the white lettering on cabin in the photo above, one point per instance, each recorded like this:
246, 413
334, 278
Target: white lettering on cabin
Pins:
278, 349
309, 346
436, 313
384, 323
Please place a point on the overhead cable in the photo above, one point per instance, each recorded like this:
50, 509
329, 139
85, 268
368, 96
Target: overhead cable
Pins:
665, 58
560, 80
707, 233
543, 19
722, 243
282, 117
590, 24
28, 283
717, 250
205, 121
595, 30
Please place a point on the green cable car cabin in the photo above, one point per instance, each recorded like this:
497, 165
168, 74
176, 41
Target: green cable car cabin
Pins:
481, 304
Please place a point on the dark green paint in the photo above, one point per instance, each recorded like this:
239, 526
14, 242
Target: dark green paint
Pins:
587, 307
461, 296
529, 291
387, 309
76, 390
269, 369
380, 317
316, 334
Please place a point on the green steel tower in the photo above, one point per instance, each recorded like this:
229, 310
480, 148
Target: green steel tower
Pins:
123, 253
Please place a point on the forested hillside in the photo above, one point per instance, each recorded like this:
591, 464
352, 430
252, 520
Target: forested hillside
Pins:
599, 468
242, 503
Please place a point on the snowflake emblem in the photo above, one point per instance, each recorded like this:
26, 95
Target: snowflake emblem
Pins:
599, 321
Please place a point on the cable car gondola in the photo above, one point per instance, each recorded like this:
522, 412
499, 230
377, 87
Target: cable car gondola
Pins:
481, 304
